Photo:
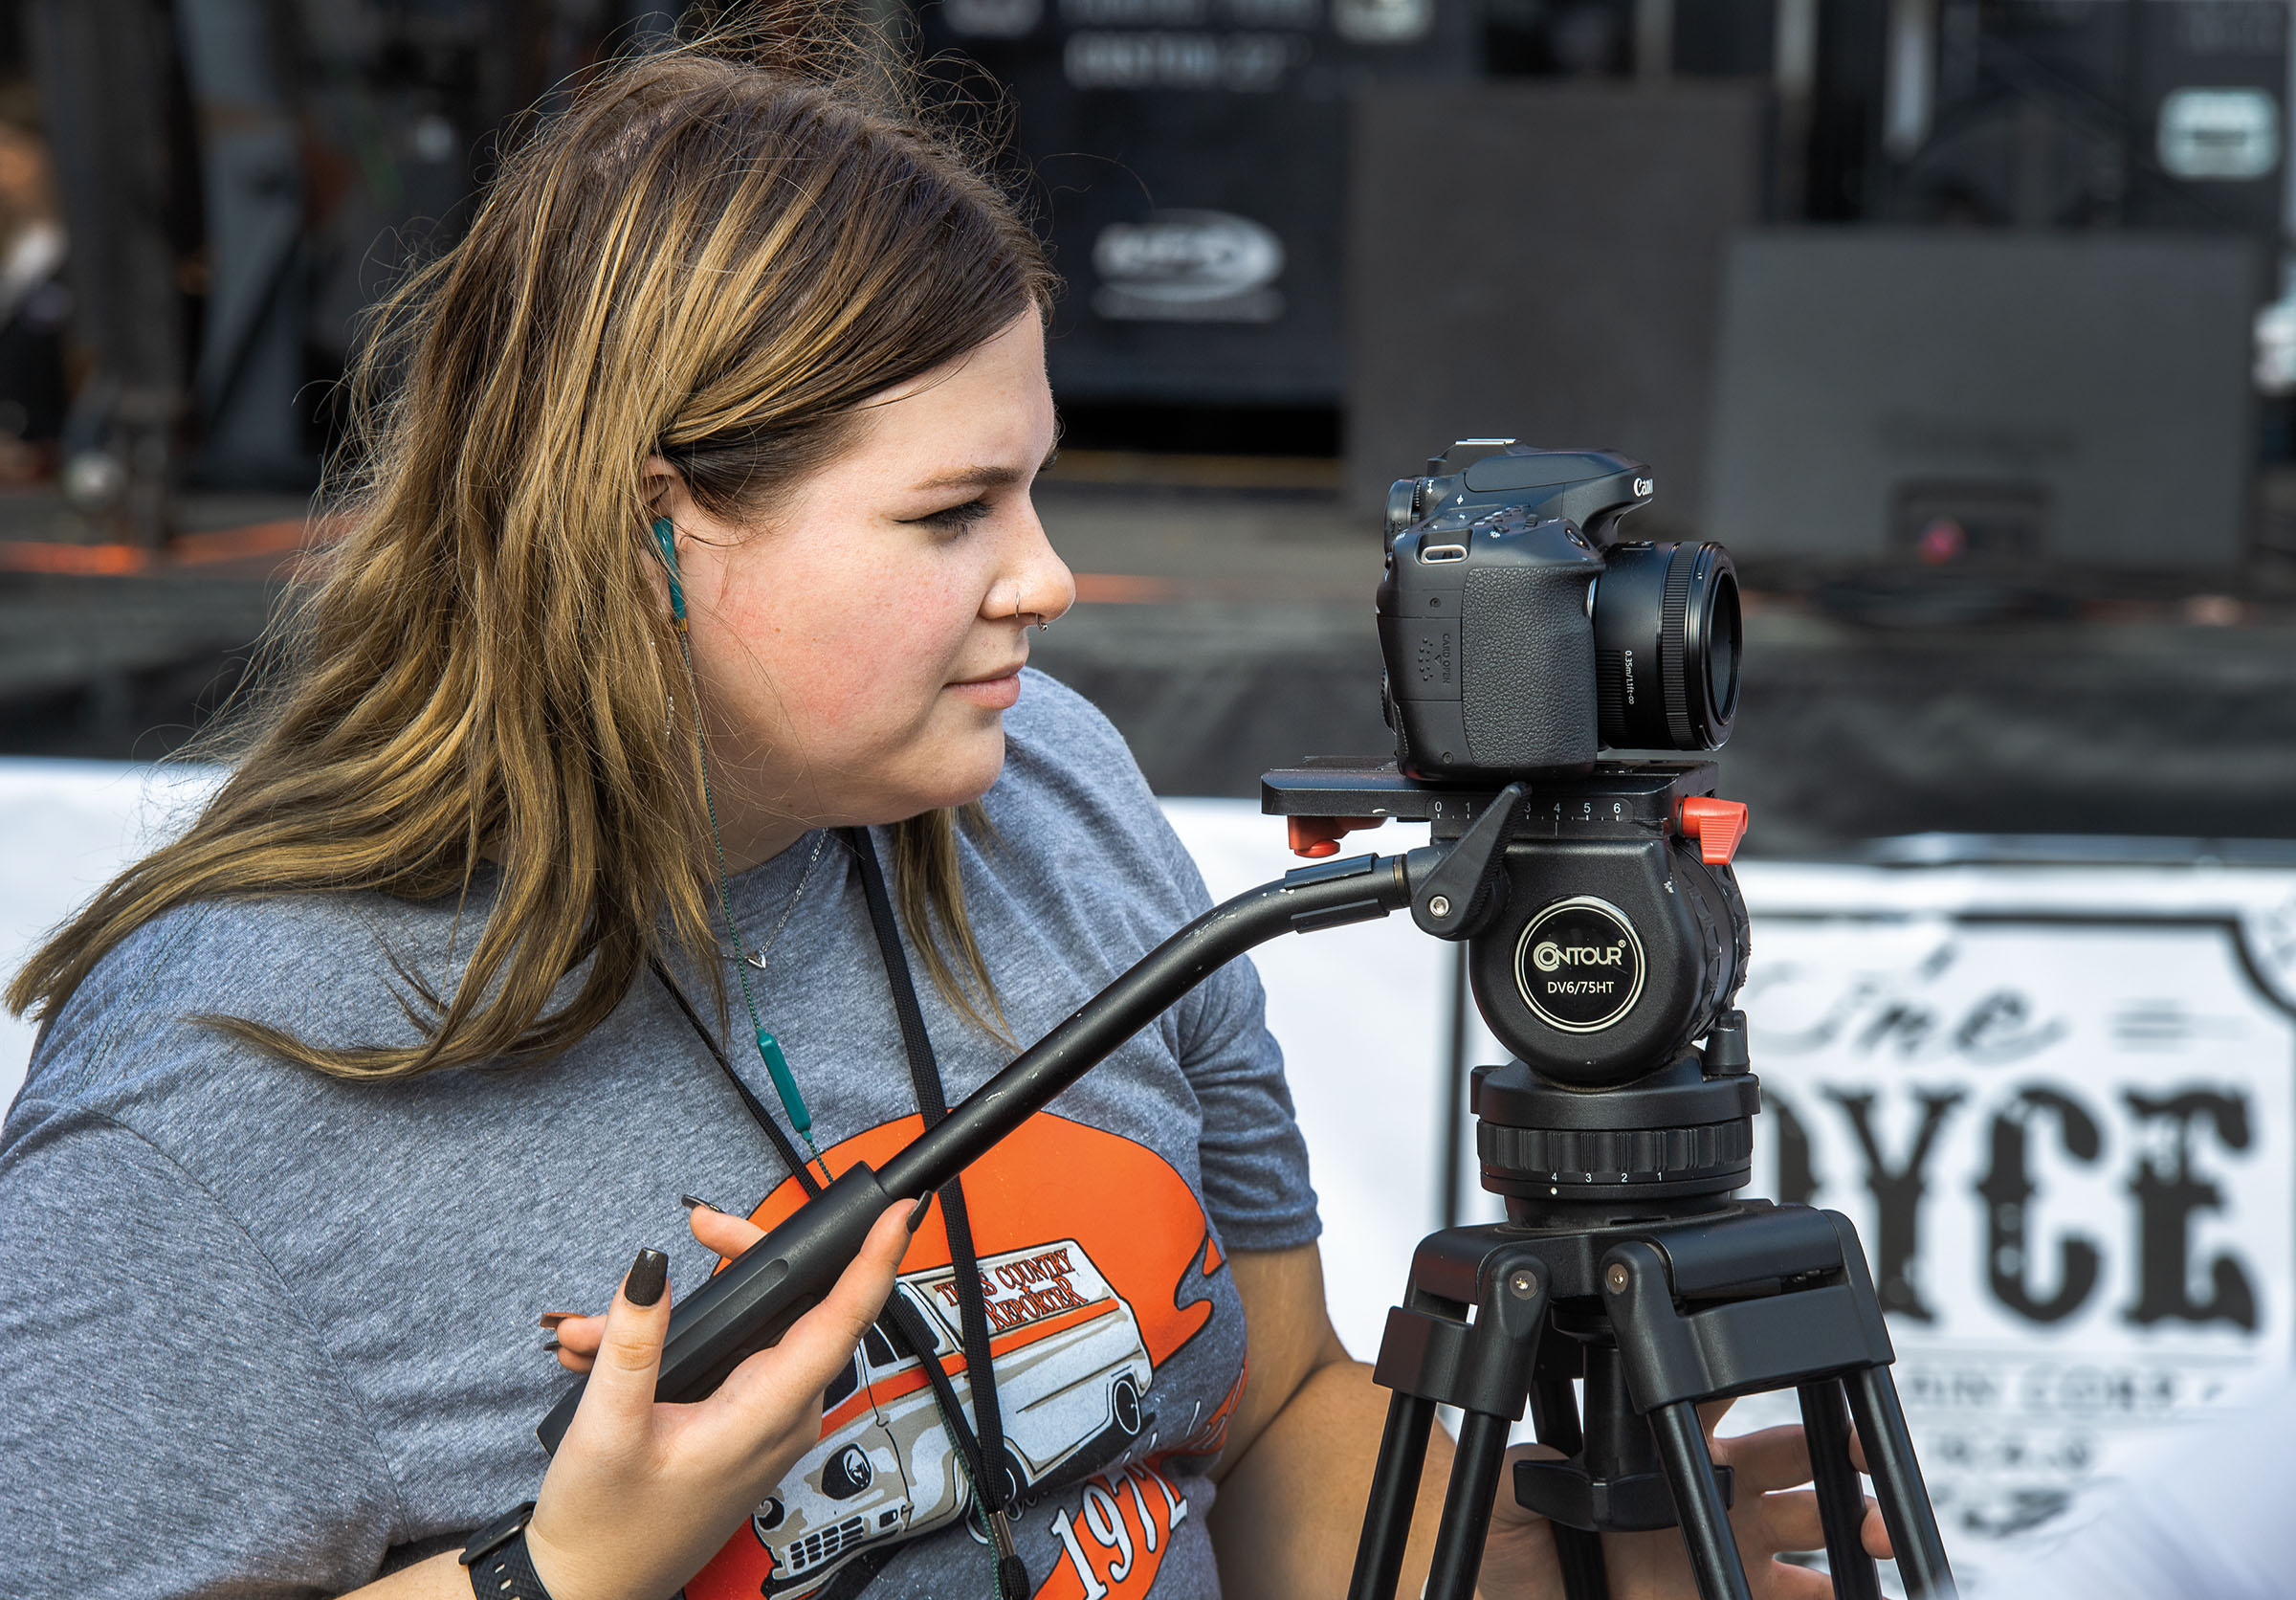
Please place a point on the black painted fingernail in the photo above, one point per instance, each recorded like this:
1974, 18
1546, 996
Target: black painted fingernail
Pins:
550, 1319
550, 1344
917, 1214
649, 1276
693, 1203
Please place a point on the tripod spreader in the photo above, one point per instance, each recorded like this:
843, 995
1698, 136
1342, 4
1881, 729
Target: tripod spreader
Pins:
1655, 1315
748, 1305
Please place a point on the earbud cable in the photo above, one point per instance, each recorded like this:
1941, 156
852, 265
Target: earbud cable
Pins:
769, 1047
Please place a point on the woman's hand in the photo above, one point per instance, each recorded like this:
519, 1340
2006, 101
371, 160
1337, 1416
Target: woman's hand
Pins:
1770, 1513
641, 1494
720, 1233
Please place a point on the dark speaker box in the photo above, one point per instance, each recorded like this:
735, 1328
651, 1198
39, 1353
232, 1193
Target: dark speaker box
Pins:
1199, 235
2162, 114
2055, 397
1189, 162
1541, 261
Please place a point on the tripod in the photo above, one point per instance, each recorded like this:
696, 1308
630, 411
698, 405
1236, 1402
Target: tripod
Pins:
1599, 943
1654, 1313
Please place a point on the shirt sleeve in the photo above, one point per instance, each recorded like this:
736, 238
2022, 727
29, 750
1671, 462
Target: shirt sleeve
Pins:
1074, 767
1254, 1160
171, 1427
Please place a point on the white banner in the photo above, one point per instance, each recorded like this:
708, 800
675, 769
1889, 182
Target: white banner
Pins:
2060, 1104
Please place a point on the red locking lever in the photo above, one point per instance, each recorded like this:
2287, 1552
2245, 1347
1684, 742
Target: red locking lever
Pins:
1318, 836
1717, 825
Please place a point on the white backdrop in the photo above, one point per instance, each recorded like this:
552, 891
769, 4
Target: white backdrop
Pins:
2059, 1103
65, 828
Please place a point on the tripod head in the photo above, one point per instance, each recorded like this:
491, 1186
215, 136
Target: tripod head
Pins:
1605, 935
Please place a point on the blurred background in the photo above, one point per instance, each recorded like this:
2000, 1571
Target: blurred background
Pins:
1970, 326
1967, 324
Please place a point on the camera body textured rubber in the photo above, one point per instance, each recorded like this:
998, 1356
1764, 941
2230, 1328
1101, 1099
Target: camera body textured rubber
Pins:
1483, 619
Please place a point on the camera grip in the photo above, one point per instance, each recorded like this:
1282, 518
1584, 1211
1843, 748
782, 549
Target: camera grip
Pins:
749, 1306
1528, 651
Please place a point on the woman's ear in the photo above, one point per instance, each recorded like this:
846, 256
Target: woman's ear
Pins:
663, 486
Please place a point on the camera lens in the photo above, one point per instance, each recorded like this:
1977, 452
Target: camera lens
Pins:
1667, 638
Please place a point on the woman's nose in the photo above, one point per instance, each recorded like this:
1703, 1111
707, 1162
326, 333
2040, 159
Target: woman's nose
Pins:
1045, 587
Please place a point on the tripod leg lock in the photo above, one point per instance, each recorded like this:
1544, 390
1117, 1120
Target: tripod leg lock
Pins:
1483, 1366
1769, 1342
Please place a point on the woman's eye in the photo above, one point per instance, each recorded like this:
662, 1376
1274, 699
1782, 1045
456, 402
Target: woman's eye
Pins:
955, 519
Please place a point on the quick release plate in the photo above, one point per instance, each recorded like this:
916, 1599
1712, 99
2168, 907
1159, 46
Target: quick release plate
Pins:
1618, 798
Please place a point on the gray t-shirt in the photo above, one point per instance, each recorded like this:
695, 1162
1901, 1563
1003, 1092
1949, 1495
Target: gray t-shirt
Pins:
263, 1332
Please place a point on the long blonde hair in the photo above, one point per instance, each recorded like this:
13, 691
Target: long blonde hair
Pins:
714, 259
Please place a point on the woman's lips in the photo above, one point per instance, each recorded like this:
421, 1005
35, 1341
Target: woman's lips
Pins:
995, 694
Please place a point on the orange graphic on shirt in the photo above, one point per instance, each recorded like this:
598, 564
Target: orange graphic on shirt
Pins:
1113, 1543
1094, 1257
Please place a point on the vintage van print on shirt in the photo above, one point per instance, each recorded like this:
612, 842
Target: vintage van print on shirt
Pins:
1095, 1262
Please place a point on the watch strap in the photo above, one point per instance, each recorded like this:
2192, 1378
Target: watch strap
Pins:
501, 1566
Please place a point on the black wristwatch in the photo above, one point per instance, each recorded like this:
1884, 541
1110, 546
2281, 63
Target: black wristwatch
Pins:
501, 1568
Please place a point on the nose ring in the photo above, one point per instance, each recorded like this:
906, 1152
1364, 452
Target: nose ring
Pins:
1017, 613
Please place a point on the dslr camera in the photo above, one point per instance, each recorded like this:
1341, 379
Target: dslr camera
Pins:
1526, 630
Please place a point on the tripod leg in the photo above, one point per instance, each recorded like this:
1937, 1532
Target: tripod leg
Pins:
1467, 1507
1394, 1493
1897, 1484
1576, 1552
1706, 1531
1841, 1502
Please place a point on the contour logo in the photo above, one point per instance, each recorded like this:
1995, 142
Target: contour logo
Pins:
1548, 956
1188, 266
1579, 964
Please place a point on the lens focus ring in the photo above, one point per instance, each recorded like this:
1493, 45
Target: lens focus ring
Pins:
1667, 647
1673, 633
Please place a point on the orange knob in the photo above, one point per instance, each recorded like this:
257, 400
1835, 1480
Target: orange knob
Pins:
1717, 825
1318, 836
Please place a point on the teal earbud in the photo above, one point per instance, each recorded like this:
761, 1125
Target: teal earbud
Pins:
666, 536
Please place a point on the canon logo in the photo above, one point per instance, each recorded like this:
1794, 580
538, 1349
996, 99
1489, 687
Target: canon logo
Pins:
1547, 955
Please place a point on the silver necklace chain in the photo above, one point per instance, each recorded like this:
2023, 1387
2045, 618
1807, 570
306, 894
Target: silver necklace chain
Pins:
757, 957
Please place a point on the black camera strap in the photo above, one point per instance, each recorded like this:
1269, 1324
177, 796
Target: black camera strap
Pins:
983, 1448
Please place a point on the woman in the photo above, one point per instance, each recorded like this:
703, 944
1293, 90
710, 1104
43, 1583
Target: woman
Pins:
692, 577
